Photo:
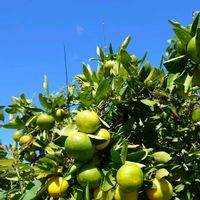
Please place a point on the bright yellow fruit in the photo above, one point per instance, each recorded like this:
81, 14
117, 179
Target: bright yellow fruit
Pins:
130, 177
163, 191
57, 187
121, 195
87, 121
104, 134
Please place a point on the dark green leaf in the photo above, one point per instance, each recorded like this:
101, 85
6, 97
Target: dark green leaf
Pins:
103, 89
176, 65
87, 72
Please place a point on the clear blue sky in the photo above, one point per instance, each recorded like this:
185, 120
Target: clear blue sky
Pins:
33, 33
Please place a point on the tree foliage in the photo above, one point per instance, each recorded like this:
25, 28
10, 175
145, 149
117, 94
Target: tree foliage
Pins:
147, 109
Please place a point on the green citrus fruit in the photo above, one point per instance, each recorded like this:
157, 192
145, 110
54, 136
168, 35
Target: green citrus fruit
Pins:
30, 156
192, 50
17, 135
196, 115
108, 66
45, 121
104, 134
121, 195
25, 139
57, 187
79, 146
91, 175
163, 190
59, 115
129, 177
87, 121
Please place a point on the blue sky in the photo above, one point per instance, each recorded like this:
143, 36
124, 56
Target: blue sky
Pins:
34, 32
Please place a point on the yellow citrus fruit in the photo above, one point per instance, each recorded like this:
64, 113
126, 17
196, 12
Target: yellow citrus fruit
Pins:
87, 121
121, 195
25, 139
129, 177
45, 121
163, 190
192, 50
57, 187
91, 175
104, 134
196, 115
79, 146
17, 135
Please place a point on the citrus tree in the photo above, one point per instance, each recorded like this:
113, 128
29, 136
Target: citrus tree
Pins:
125, 130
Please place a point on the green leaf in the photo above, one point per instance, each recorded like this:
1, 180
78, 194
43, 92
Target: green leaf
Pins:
87, 72
68, 129
161, 173
137, 156
104, 123
1, 113
6, 162
100, 53
108, 181
125, 42
162, 157
115, 156
124, 150
31, 120
182, 35
103, 89
31, 189
44, 101
45, 85
177, 64
150, 103
195, 24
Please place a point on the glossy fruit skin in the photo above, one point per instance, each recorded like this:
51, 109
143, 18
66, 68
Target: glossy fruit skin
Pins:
196, 115
87, 121
129, 177
103, 133
192, 50
108, 66
163, 191
91, 175
45, 121
25, 139
57, 187
59, 115
79, 146
121, 195
17, 135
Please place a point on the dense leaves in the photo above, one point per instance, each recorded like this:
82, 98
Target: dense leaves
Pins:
147, 110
